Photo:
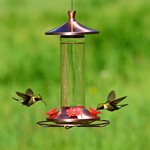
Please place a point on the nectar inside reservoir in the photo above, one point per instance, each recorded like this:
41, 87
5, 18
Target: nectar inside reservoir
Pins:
72, 68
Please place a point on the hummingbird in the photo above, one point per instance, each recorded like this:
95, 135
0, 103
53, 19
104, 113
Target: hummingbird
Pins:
112, 103
28, 98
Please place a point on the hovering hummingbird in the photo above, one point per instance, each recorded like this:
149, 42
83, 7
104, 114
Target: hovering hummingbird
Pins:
28, 98
111, 103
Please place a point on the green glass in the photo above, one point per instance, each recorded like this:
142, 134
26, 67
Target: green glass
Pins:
72, 59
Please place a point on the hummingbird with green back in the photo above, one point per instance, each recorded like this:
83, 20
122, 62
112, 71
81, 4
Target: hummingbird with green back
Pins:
28, 98
112, 103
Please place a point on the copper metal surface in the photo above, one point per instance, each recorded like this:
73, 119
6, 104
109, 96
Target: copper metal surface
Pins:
71, 28
84, 118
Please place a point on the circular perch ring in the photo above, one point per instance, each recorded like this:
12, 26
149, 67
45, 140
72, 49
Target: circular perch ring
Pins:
100, 123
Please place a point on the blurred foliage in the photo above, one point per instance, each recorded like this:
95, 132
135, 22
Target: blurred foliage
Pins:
118, 59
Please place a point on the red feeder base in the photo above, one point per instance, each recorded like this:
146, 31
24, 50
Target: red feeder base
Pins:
76, 116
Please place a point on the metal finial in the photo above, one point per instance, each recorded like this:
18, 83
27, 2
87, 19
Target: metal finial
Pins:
71, 15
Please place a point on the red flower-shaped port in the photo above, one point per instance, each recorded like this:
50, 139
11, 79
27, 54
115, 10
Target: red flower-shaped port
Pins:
73, 112
94, 111
52, 113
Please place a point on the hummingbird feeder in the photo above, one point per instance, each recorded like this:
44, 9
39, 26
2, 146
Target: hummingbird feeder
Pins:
73, 112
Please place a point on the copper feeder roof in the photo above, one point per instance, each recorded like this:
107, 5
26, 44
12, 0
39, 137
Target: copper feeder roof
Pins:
71, 28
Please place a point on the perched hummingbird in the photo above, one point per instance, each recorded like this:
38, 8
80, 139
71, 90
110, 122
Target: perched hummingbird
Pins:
111, 103
28, 98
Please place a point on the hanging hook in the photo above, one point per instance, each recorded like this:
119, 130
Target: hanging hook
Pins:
72, 5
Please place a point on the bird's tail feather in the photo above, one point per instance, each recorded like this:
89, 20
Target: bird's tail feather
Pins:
120, 106
16, 99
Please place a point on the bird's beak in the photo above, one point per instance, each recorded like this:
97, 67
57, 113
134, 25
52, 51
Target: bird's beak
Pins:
44, 102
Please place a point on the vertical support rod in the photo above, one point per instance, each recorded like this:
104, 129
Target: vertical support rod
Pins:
72, 5
72, 59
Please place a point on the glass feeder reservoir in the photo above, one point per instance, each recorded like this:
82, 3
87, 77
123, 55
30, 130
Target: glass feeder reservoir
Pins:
72, 57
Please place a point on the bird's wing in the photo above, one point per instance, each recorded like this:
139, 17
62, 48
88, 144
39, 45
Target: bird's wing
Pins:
24, 96
111, 96
29, 92
115, 102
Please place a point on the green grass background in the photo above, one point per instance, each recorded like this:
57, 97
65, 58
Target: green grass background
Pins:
118, 58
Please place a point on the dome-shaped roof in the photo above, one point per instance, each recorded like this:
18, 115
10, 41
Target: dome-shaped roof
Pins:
71, 28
